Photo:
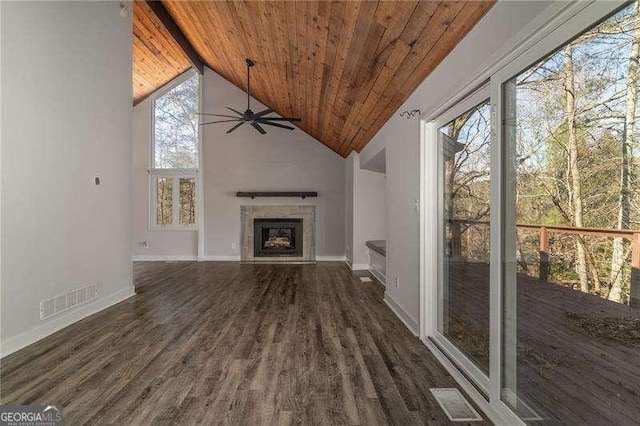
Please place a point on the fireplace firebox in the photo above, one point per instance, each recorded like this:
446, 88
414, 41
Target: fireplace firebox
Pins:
277, 237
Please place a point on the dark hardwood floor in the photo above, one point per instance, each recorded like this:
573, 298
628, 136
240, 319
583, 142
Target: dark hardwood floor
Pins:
238, 344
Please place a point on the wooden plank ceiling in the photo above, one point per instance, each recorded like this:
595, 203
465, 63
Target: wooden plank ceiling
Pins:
157, 58
343, 66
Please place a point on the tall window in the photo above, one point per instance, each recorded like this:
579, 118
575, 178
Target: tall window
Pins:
174, 172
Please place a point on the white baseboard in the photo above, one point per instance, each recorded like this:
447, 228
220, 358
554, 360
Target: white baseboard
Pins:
57, 323
163, 258
407, 319
330, 258
210, 258
237, 258
379, 276
358, 266
213, 258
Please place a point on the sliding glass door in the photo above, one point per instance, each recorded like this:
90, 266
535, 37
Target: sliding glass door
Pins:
464, 156
536, 233
571, 348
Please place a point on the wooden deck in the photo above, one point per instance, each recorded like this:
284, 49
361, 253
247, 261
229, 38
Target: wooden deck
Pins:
566, 375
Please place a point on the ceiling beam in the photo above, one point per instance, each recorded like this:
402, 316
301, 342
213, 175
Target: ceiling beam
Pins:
170, 25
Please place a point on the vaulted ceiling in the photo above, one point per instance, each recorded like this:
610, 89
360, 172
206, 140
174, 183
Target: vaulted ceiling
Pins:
157, 58
343, 66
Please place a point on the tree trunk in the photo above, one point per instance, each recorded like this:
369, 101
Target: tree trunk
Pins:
592, 265
618, 256
575, 188
455, 245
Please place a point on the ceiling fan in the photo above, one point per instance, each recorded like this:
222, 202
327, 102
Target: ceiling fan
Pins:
253, 118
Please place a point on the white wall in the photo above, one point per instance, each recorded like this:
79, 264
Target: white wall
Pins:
160, 243
401, 138
281, 160
66, 117
370, 213
365, 211
351, 167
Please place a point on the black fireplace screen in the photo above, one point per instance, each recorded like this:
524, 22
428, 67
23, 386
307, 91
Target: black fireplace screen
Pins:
277, 237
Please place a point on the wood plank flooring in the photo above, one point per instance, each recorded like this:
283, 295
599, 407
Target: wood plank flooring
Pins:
217, 342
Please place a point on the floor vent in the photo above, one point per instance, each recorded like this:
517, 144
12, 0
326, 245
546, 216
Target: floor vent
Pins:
455, 406
67, 301
366, 279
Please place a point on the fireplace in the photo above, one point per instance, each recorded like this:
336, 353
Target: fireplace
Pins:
277, 237
297, 246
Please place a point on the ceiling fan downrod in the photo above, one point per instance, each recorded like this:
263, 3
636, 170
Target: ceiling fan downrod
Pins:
249, 65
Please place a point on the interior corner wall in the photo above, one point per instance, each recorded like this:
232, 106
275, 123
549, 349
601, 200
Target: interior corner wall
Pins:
365, 211
281, 160
160, 244
370, 216
352, 165
66, 118
401, 138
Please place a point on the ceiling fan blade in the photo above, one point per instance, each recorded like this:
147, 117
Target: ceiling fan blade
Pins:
258, 128
216, 115
265, 112
281, 118
238, 112
236, 126
275, 124
221, 121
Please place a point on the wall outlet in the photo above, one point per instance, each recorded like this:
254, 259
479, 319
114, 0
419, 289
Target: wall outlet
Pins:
234, 246
144, 244
397, 282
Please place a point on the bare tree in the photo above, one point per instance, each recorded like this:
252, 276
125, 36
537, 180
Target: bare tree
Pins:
618, 256
575, 189
467, 173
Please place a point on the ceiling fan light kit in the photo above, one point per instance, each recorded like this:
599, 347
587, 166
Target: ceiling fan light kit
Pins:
255, 119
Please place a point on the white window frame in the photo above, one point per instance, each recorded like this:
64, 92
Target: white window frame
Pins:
557, 25
176, 174
476, 374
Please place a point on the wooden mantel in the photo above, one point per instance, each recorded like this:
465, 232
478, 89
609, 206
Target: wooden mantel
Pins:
252, 195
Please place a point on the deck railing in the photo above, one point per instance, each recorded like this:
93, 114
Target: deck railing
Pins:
545, 230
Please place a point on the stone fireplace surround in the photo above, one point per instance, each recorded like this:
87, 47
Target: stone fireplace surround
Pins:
306, 213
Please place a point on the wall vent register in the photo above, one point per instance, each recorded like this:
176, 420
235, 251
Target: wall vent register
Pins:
67, 301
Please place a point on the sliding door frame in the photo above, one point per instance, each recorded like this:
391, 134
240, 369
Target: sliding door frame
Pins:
479, 377
557, 25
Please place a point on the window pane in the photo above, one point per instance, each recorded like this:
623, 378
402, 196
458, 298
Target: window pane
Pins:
176, 127
571, 347
164, 205
464, 286
187, 201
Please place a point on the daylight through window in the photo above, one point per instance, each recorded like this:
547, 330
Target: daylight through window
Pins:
174, 171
